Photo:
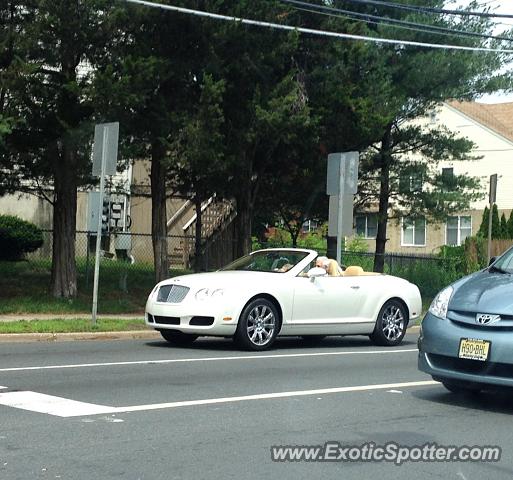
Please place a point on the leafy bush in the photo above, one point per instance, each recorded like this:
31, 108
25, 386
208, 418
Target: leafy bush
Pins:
279, 237
314, 241
455, 256
18, 237
430, 276
357, 244
475, 253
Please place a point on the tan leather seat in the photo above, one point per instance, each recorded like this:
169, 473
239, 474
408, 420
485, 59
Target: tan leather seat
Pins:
353, 271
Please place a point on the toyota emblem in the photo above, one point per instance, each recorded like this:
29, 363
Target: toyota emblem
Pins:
486, 318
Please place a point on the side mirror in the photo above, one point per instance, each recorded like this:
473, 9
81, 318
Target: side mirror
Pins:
492, 260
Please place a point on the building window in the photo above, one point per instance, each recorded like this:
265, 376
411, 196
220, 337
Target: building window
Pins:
309, 226
458, 229
409, 183
448, 172
367, 225
413, 232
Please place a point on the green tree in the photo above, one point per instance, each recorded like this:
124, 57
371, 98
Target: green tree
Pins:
418, 80
48, 92
483, 228
13, 45
199, 154
510, 225
504, 234
264, 108
496, 223
148, 83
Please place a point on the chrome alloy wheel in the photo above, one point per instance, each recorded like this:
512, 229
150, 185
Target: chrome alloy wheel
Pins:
392, 322
261, 324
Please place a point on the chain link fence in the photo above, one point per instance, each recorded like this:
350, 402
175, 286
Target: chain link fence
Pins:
127, 272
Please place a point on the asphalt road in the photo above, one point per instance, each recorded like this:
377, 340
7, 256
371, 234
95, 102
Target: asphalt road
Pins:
144, 410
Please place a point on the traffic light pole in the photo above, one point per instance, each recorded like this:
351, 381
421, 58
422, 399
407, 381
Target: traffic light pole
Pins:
99, 229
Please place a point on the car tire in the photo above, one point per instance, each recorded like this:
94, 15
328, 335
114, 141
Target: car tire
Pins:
459, 388
390, 325
258, 325
179, 339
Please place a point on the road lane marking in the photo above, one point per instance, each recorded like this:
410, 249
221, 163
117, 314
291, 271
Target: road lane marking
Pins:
2, 387
62, 407
207, 359
57, 406
267, 396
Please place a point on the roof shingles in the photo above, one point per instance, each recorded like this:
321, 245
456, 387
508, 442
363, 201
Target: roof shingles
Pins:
497, 117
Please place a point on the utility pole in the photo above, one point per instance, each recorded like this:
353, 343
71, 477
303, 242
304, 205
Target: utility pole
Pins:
492, 199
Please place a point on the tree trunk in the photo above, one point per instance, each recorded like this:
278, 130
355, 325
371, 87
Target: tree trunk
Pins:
243, 225
198, 257
64, 271
384, 197
294, 236
159, 212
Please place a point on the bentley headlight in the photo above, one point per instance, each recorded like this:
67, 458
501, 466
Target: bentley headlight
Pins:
209, 293
153, 294
440, 303
217, 293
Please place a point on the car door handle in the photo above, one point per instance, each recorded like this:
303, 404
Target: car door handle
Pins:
355, 287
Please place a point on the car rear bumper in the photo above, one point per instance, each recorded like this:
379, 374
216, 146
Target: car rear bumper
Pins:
439, 342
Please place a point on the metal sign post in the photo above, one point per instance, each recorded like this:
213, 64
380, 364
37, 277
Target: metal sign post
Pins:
342, 184
105, 152
492, 199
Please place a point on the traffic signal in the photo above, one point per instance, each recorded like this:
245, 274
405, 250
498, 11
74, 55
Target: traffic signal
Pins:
105, 217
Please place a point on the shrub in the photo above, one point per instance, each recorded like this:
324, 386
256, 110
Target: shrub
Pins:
454, 256
314, 241
279, 237
357, 244
430, 276
18, 237
475, 253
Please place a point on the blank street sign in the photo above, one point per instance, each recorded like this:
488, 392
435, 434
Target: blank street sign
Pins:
111, 151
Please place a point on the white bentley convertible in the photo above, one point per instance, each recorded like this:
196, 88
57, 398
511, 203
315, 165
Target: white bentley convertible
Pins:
273, 292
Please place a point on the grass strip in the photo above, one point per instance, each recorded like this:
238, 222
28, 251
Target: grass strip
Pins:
71, 325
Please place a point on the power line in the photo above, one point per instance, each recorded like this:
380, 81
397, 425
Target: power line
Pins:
324, 33
421, 27
464, 13
373, 22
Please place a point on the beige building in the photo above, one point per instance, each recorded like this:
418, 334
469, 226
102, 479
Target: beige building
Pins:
490, 127
129, 195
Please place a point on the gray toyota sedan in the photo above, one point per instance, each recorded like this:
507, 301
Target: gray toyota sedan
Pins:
466, 338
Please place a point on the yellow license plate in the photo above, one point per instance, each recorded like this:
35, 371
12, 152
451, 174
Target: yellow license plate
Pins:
474, 349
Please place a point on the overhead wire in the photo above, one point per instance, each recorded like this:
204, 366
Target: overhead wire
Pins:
375, 19
310, 31
419, 8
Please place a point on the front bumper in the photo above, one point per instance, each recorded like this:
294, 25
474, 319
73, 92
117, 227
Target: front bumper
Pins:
192, 317
438, 352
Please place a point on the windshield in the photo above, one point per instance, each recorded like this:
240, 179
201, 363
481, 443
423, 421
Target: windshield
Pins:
505, 263
276, 261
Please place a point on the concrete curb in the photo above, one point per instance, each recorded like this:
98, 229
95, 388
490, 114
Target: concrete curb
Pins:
69, 337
